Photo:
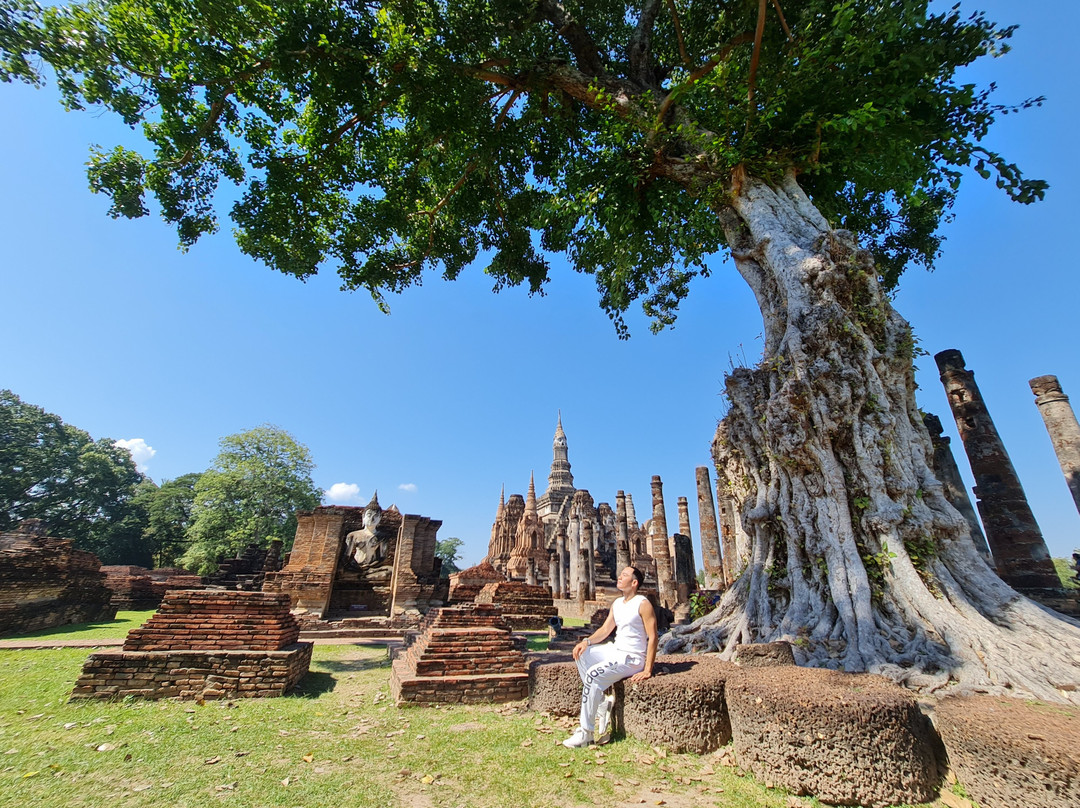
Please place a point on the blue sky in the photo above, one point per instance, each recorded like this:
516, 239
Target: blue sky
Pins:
454, 394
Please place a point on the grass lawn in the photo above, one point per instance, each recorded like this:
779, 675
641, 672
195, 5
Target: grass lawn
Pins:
102, 630
338, 741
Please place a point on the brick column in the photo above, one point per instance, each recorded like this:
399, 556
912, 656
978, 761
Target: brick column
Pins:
622, 541
1064, 431
947, 472
660, 550
1020, 553
711, 559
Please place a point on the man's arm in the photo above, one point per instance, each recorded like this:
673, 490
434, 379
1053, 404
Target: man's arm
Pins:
599, 635
648, 617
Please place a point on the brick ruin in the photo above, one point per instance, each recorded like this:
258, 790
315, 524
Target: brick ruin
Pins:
461, 654
525, 607
247, 571
575, 547
362, 560
204, 644
466, 585
1020, 554
139, 588
45, 582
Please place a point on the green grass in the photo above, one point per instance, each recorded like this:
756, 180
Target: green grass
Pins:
338, 741
102, 630
1066, 573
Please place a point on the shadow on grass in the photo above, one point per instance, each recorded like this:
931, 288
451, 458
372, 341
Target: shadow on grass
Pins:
312, 686
352, 665
116, 628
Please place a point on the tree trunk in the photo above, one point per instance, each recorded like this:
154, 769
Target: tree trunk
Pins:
852, 552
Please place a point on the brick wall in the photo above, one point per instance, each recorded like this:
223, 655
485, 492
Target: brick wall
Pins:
46, 582
193, 674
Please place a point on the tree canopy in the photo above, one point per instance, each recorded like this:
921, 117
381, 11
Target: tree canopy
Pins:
83, 489
393, 138
249, 495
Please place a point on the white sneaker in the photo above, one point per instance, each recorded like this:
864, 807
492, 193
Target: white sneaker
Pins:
582, 737
603, 719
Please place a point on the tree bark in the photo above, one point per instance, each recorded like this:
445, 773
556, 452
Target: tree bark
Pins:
855, 556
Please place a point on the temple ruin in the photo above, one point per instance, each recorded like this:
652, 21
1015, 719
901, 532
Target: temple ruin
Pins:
362, 561
948, 473
1020, 554
570, 544
45, 582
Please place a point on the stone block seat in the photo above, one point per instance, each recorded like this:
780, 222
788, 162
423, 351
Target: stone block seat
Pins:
848, 739
204, 644
1010, 753
461, 654
680, 708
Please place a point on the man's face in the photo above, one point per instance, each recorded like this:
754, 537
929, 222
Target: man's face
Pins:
626, 579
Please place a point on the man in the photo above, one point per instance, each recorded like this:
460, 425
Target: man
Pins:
630, 656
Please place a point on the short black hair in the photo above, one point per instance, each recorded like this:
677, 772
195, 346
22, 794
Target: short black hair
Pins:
639, 575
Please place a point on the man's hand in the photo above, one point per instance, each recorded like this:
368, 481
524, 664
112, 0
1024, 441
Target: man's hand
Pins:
641, 676
579, 649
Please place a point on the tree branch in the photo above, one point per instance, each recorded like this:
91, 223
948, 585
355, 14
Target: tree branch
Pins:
783, 22
758, 34
586, 54
638, 50
699, 74
678, 34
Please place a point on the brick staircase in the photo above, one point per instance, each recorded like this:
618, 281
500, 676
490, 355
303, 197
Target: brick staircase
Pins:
461, 654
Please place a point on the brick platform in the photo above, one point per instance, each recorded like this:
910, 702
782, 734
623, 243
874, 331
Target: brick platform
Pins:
204, 644
141, 588
462, 654
524, 607
209, 620
46, 582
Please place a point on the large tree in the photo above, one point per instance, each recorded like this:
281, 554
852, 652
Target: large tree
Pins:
83, 489
250, 495
819, 142
168, 516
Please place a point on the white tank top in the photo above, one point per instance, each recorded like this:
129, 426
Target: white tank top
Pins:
630, 633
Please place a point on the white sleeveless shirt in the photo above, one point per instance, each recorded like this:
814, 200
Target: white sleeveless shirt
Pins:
630, 633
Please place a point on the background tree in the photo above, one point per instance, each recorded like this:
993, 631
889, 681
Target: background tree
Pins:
446, 550
168, 516
250, 495
83, 489
637, 138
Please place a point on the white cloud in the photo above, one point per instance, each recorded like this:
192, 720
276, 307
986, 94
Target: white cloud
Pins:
410, 487
141, 452
343, 494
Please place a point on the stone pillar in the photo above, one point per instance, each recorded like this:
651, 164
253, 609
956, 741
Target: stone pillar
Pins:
1020, 554
530, 571
1064, 431
588, 555
728, 531
665, 582
553, 574
560, 587
685, 572
631, 520
711, 559
622, 542
574, 551
946, 470
684, 516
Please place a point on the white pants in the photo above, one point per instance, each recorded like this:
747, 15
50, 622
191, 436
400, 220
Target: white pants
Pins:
601, 666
